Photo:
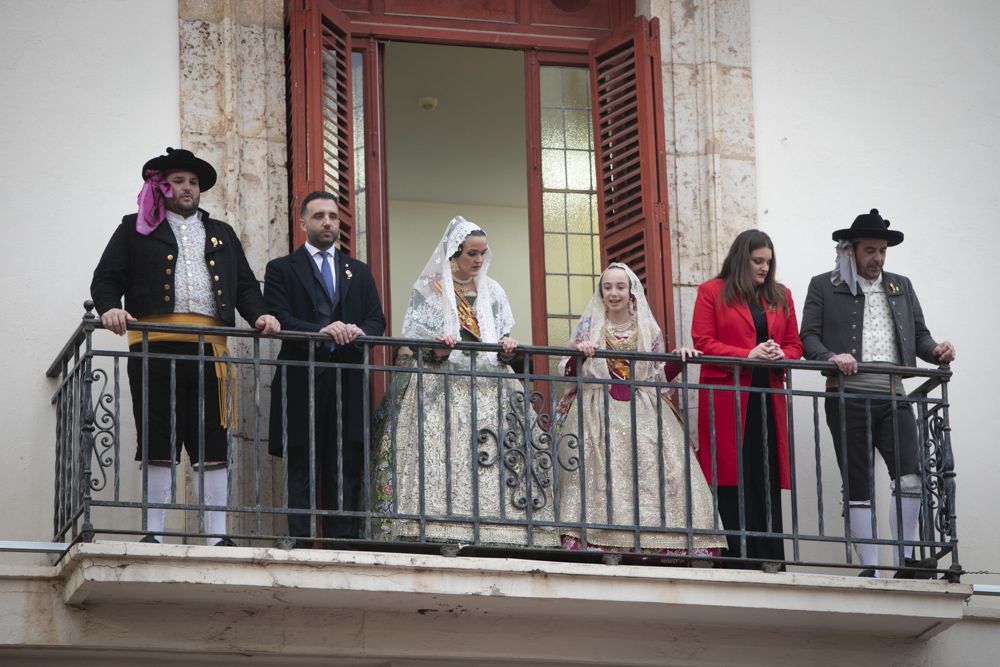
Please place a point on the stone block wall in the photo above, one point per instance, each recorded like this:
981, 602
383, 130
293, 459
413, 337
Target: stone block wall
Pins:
708, 118
232, 92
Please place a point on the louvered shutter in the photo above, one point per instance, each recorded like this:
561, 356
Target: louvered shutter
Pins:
631, 159
320, 113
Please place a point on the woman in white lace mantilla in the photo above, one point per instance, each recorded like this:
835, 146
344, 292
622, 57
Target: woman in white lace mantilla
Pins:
614, 471
438, 457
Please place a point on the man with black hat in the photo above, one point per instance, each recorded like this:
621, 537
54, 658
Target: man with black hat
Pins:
860, 313
191, 270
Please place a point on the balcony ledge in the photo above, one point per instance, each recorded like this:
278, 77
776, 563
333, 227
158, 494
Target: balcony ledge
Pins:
431, 585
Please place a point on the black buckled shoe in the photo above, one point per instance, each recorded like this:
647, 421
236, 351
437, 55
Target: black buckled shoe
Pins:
918, 569
150, 539
225, 542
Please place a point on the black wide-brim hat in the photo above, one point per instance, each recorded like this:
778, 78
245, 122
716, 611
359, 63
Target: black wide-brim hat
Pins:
180, 159
869, 226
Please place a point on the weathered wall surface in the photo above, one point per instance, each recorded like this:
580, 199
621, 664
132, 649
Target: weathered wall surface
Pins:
708, 118
232, 103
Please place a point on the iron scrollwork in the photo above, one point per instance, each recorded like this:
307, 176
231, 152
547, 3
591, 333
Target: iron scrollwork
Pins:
105, 427
940, 477
526, 449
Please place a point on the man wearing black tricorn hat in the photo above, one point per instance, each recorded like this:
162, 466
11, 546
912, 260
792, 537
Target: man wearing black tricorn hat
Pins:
860, 313
176, 265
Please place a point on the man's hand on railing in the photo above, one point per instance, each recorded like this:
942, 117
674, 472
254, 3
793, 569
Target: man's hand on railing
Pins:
268, 325
845, 362
944, 352
116, 320
342, 333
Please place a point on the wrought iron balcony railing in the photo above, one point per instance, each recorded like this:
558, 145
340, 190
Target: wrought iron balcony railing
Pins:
467, 456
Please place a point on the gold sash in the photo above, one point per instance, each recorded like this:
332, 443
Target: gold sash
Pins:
218, 344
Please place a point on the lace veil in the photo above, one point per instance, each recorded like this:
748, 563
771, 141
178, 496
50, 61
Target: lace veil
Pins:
432, 310
649, 338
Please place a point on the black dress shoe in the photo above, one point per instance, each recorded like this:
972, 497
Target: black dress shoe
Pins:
225, 542
869, 572
150, 538
918, 569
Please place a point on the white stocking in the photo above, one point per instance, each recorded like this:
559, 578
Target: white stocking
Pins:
861, 529
158, 491
910, 504
216, 493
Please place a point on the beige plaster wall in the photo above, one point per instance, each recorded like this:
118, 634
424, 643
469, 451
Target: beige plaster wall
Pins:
415, 228
90, 92
893, 105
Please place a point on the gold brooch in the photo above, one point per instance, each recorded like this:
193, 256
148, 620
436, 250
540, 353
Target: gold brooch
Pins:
892, 286
349, 274
215, 242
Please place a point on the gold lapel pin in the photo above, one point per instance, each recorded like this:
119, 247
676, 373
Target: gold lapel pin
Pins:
215, 242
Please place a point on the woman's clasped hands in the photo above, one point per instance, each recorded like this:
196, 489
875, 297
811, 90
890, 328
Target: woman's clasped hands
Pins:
768, 350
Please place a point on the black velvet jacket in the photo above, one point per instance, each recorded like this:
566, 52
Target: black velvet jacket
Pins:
142, 269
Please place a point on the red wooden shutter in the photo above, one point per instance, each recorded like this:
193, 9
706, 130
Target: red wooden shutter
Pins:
320, 137
631, 159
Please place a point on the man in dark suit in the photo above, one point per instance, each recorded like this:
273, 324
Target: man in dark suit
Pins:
860, 313
321, 290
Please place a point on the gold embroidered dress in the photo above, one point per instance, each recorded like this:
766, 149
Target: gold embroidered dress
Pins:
436, 458
618, 469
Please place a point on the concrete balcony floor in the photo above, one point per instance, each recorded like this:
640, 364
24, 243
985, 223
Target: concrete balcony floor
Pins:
113, 600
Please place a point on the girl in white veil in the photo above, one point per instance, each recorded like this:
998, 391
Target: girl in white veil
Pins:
433, 458
615, 471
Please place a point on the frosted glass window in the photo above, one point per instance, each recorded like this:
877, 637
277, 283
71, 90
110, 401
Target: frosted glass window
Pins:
569, 198
360, 189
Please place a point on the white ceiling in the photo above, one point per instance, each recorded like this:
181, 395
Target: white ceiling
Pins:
471, 148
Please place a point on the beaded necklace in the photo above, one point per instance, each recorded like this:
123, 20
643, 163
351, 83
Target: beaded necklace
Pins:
620, 337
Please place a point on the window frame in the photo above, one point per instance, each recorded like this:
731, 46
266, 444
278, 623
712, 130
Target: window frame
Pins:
367, 24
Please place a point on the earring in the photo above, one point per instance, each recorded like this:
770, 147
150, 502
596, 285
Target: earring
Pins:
454, 264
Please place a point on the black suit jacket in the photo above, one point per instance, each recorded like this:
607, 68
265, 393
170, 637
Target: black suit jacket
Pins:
142, 269
294, 294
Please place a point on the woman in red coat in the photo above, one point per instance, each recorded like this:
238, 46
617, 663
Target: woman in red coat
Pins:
745, 313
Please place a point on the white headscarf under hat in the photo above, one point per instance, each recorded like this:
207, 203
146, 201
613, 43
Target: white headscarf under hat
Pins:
846, 268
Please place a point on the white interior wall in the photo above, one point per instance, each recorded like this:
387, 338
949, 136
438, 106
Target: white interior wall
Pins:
415, 228
76, 125
894, 105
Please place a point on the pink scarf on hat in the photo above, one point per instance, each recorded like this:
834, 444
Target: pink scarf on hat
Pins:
152, 208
